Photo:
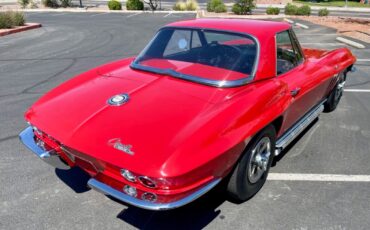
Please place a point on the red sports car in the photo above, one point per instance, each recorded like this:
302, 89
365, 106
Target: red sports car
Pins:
207, 100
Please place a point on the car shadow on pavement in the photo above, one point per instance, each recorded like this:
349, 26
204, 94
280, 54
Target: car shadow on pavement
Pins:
195, 215
75, 178
293, 143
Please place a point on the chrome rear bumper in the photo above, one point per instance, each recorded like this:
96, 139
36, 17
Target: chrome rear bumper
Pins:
27, 137
107, 190
50, 157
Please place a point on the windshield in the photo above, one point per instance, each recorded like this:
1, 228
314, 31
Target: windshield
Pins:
211, 57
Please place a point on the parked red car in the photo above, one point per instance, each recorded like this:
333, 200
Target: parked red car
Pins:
206, 100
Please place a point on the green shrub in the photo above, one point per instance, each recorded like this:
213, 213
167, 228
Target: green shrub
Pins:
10, 19
6, 21
18, 19
220, 9
242, 7
114, 5
236, 9
179, 6
212, 4
323, 12
191, 5
50, 3
304, 10
134, 5
23, 3
33, 4
272, 10
66, 3
290, 9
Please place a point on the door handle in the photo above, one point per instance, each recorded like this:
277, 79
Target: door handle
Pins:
295, 92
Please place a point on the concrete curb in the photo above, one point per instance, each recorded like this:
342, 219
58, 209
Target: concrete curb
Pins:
28, 26
84, 10
330, 8
203, 14
350, 42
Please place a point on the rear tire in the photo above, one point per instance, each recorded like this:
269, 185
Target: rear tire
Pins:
335, 95
252, 169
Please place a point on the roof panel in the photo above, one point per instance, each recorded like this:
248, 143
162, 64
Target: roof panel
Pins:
258, 28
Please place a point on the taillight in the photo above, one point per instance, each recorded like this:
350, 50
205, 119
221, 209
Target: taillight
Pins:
153, 183
148, 196
129, 190
128, 175
147, 182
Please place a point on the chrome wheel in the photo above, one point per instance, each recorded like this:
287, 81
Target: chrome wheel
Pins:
339, 89
258, 162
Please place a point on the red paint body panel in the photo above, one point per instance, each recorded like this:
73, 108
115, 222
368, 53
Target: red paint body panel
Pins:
179, 130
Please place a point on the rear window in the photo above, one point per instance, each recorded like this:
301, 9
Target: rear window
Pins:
204, 54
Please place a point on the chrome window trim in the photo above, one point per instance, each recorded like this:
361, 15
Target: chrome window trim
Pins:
300, 50
205, 81
297, 44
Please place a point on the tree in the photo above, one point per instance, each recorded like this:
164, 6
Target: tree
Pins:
153, 4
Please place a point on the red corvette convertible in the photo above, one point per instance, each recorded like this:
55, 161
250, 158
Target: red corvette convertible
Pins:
206, 100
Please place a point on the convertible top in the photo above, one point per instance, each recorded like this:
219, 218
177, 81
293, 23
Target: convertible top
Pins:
263, 31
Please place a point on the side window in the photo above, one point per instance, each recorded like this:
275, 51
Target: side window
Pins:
212, 37
195, 40
179, 42
287, 56
297, 47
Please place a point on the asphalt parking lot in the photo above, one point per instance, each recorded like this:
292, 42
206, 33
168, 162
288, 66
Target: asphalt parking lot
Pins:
36, 196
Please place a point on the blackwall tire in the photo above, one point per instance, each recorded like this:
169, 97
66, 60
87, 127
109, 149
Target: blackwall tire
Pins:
335, 95
246, 180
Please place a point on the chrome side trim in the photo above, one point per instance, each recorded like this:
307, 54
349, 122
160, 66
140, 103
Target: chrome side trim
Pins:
294, 131
50, 157
107, 190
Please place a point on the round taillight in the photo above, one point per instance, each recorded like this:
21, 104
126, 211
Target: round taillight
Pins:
129, 190
37, 131
148, 196
41, 144
128, 175
147, 182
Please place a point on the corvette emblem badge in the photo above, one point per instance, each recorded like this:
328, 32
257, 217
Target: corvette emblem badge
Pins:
118, 99
117, 144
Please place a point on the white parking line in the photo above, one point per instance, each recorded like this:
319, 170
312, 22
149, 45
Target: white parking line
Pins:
358, 90
363, 60
318, 177
167, 15
133, 15
302, 25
